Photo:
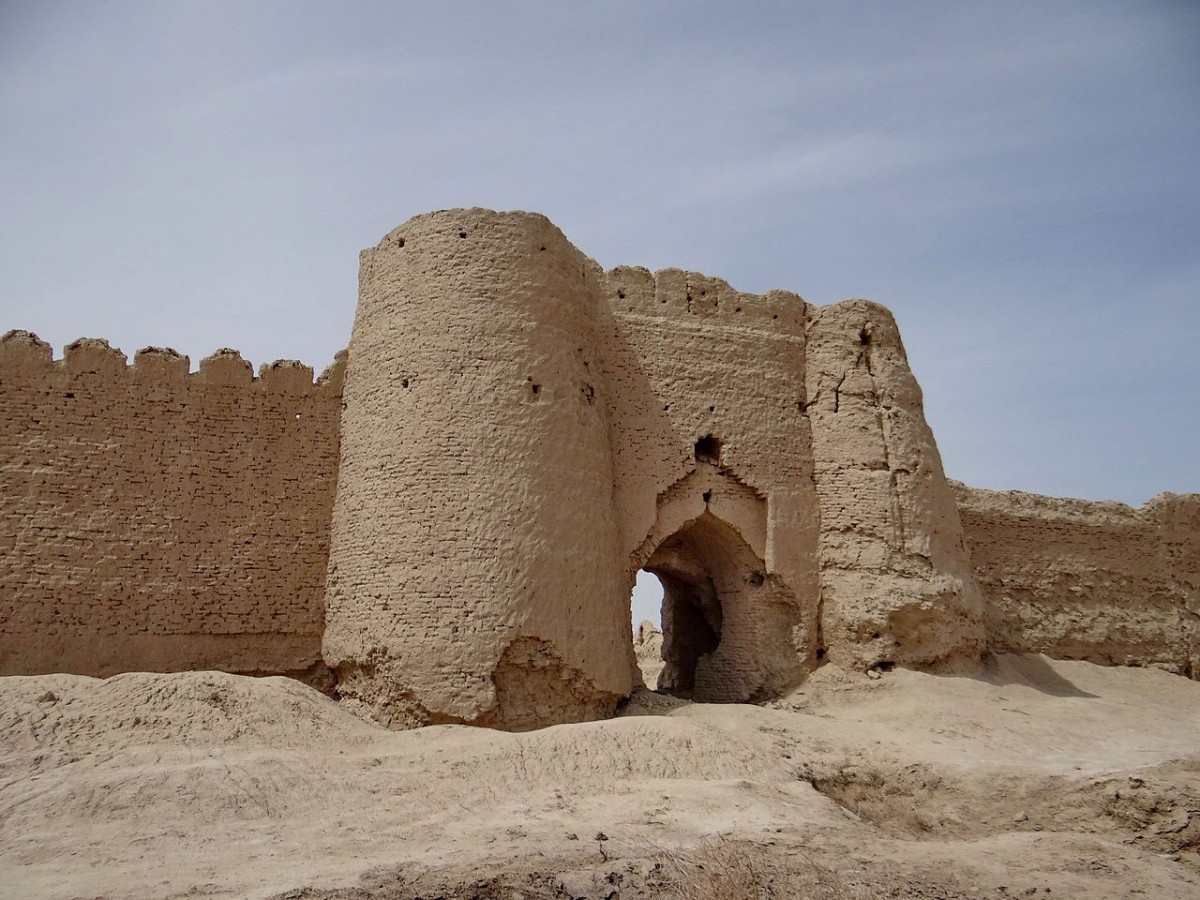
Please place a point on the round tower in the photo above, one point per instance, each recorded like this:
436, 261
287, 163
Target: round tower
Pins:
474, 574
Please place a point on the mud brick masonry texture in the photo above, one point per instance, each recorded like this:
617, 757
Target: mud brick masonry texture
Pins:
445, 526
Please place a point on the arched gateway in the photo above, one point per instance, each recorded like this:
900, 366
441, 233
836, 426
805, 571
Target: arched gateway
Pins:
732, 631
522, 432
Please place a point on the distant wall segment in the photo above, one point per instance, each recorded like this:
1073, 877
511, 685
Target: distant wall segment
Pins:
159, 520
1078, 579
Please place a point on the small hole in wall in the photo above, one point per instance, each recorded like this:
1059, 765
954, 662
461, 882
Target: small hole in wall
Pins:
708, 449
707, 495
712, 409
462, 234
820, 653
70, 396
536, 388
864, 337
620, 295
541, 249
403, 382
775, 317
666, 407
756, 579
874, 635
737, 309
399, 242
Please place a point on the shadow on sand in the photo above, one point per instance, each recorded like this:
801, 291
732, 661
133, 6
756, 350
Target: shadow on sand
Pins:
1029, 670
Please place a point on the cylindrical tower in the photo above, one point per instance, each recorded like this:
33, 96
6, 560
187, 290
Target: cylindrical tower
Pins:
474, 572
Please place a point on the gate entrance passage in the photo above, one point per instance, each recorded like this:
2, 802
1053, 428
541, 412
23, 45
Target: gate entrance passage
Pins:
711, 581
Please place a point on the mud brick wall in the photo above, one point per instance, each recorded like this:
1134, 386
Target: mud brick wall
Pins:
1077, 579
160, 520
449, 520
523, 431
691, 362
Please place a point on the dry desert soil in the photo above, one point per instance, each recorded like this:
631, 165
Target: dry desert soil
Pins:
1032, 778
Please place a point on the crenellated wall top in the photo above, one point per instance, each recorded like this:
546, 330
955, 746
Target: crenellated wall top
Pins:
677, 294
24, 354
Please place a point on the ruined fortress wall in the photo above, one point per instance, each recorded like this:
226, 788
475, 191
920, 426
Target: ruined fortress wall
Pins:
452, 518
474, 573
522, 432
690, 359
1098, 581
159, 520
817, 412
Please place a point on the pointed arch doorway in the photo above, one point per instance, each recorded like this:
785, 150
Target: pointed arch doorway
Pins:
731, 631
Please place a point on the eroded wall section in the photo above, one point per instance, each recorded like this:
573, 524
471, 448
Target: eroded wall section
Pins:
160, 520
712, 467
800, 430
1098, 581
896, 583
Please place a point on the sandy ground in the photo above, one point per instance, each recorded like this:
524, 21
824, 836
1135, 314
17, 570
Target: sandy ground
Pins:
1035, 778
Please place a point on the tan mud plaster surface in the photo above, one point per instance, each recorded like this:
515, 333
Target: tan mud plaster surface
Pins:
445, 526
523, 431
1077, 579
156, 519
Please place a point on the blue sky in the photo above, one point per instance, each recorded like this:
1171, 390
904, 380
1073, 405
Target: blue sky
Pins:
1017, 181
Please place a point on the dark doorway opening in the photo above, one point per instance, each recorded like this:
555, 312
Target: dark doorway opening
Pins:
732, 630
712, 584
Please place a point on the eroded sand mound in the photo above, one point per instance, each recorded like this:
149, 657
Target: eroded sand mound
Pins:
1036, 775
71, 712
